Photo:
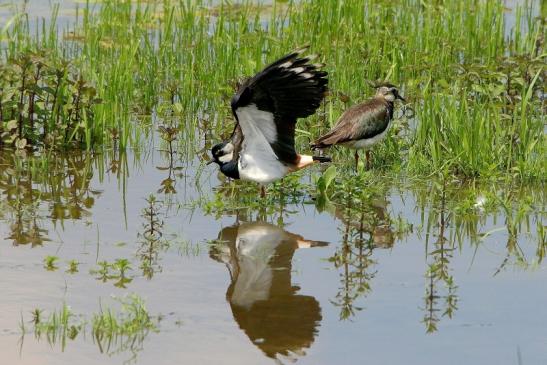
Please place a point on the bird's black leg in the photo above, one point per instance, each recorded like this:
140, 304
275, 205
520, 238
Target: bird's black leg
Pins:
367, 154
262, 191
356, 160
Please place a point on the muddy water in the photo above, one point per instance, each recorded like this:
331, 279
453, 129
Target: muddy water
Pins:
251, 288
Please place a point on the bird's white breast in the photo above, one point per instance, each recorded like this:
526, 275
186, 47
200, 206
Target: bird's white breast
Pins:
258, 162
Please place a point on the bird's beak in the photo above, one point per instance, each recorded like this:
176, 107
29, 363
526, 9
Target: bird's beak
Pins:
401, 98
210, 162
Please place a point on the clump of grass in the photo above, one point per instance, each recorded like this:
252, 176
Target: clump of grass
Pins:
112, 331
50, 263
44, 101
58, 327
123, 331
72, 267
115, 271
236, 197
488, 120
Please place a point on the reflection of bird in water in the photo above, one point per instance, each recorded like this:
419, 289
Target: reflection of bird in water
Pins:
264, 303
379, 229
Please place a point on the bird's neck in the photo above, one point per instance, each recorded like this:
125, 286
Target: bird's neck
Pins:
390, 105
230, 169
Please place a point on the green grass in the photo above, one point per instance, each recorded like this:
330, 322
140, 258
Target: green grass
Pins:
113, 331
177, 61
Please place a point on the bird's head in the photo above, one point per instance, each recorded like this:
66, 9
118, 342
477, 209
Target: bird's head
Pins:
389, 92
222, 153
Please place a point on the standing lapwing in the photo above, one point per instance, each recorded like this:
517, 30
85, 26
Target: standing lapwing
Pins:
363, 125
266, 108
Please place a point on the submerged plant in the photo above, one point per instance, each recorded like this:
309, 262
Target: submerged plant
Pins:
114, 332
124, 331
121, 266
367, 226
116, 271
50, 263
102, 272
151, 239
58, 327
72, 267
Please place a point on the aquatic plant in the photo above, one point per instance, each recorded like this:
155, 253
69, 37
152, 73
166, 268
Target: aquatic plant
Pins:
362, 208
43, 102
102, 272
50, 263
72, 267
126, 330
58, 327
169, 135
122, 266
151, 240
115, 271
123, 330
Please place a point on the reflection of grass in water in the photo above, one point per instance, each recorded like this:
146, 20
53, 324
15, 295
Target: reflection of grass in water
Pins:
124, 331
53, 187
114, 332
151, 238
236, 197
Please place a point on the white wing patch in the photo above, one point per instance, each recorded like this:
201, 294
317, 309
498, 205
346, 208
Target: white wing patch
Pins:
262, 120
286, 64
258, 161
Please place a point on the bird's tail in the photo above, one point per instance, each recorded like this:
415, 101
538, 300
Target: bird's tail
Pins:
324, 141
302, 243
321, 159
317, 146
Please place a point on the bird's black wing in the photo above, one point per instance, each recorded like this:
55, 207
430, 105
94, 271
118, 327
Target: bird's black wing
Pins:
268, 104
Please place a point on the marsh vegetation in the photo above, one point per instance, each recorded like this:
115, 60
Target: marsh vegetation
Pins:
106, 120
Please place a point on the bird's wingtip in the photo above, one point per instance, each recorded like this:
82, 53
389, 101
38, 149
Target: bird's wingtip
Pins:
302, 49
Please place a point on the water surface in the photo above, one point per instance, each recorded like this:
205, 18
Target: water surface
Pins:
321, 288
420, 272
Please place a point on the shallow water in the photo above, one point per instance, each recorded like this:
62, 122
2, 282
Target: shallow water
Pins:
266, 288
409, 277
